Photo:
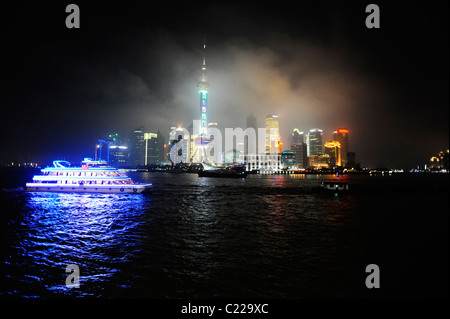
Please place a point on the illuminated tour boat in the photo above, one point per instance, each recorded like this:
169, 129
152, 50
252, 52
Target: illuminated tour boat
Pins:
92, 177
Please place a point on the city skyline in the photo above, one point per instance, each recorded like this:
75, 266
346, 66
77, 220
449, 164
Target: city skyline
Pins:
67, 88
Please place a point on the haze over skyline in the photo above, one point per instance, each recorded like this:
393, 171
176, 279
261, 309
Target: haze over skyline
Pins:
314, 65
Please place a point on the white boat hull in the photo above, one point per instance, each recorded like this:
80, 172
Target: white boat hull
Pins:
116, 189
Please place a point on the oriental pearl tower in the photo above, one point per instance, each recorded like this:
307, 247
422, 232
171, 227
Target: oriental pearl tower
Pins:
202, 140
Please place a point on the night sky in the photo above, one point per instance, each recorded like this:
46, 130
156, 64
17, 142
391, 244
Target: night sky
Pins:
314, 63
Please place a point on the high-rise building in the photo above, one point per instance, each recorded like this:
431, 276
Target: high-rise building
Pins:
145, 148
273, 140
299, 147
151, 149
136, 147
118, 156
160, 146
298, 137
301, 154
341, 136
315, 142
333, 150
112, 150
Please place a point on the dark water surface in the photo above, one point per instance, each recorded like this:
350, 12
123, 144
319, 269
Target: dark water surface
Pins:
263, 237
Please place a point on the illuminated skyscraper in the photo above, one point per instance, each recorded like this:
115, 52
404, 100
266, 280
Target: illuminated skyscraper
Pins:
333, 150
273, 143
299, 147
136, 147
151, 148
341, 136
297, 136
315, 142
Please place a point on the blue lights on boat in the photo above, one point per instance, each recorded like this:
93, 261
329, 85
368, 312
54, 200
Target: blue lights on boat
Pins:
91, 177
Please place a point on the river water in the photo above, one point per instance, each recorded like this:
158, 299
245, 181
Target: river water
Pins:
267, 236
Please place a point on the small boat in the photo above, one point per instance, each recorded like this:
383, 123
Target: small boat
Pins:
91, 177
234, 171
335, 186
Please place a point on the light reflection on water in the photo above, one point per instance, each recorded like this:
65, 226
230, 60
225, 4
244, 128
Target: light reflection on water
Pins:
263, 237
98, 232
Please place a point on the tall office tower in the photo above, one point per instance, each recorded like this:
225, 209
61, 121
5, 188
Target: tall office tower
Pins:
315, 142
251, 144
299, 147
301, 156
273, 143
118, 156
151, 149
333, 150
136, 147
341, 136
160, 146
298, 136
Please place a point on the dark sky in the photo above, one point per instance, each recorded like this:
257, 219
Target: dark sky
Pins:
137, 64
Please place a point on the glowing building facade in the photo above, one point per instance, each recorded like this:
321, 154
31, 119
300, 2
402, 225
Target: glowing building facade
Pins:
315, 142
299, 147
273, 140
333, 150
288, 160
264, 163
341, 136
